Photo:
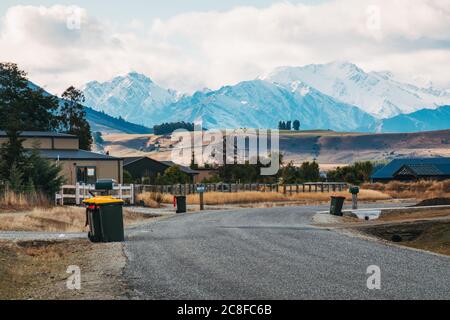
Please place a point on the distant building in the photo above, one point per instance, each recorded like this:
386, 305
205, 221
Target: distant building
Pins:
141, 167
414, 169
77, 165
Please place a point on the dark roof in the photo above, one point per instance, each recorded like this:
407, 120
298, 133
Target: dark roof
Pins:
423, 166
187, 170
75, 155
41, 134
129, 160
426, 169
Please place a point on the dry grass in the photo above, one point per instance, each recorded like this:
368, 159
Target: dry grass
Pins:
415, 214
219, 198
413, 190
36, 270
153, 199
56, 219
426, 235
20, 201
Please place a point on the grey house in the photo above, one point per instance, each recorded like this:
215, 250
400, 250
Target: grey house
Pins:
141, 167
414, 169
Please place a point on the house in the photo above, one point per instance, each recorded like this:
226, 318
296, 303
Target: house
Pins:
409, 169
141, 167
77, 165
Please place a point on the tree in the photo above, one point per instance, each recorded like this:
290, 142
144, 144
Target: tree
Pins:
357, 173
45, 174
168, 128
310, 171
15, 178
307, 172
289, 125
296, 125
73, 117
11, 153
127, 177
174, 175
23, 106
29, 188
289, 174
98, 138
282, 125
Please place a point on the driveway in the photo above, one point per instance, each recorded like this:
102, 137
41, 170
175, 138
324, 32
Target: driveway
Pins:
272, 254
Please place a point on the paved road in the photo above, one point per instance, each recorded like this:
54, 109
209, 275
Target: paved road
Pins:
272, 254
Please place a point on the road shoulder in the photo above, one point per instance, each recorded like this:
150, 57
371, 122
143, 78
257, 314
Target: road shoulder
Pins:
37, 269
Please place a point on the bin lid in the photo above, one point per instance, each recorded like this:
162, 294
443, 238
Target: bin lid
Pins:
103, 200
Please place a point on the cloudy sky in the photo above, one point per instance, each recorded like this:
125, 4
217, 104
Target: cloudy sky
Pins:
192, 44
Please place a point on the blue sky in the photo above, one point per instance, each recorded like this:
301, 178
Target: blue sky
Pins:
122, 11
189, 45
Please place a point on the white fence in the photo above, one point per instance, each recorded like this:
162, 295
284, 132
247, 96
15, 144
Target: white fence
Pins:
79, 192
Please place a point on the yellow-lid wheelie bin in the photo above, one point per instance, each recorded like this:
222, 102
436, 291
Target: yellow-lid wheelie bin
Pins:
104, 215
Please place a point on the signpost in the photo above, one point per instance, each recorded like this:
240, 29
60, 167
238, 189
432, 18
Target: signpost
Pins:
201, 191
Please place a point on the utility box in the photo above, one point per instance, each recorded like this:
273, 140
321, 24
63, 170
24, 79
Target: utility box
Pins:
104, 215
336, 206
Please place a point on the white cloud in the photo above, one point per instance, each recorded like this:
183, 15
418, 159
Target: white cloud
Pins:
198, 49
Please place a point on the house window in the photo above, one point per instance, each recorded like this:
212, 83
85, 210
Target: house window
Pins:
86, 175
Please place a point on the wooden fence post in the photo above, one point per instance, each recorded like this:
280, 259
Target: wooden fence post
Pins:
61, 195
120, 192
77, 194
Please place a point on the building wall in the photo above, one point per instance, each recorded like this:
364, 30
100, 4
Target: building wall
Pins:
105, 169
71, 144
40, 143
48, 143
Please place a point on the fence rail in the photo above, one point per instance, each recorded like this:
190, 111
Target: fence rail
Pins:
185, 189
79, 192
75, 194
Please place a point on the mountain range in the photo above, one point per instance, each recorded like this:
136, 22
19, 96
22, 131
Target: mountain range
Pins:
422, 120
338, 96
100, 121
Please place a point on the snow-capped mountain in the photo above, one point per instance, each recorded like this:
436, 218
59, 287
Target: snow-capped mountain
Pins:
134, 97
337, 96
262, 104
100, 121
377, 93
422, 120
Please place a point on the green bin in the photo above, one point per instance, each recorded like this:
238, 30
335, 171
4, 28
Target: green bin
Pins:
181, 204
336, 206
104, 215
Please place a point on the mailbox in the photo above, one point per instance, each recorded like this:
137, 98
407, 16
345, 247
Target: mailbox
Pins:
354, 190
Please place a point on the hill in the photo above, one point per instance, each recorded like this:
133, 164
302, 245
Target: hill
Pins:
102, 122
330, 148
